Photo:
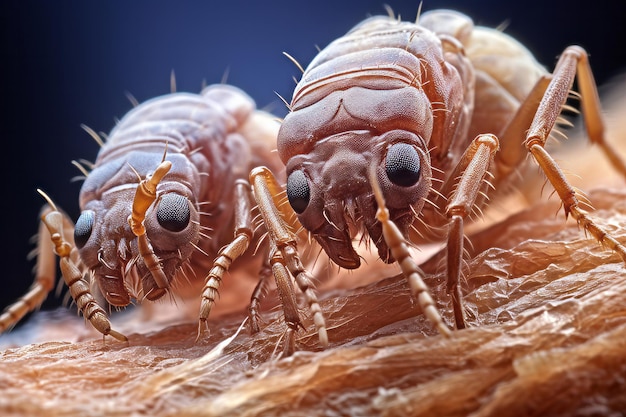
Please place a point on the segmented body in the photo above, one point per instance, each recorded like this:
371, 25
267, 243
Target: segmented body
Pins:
204, 145
433, 85
399, 131
212, 139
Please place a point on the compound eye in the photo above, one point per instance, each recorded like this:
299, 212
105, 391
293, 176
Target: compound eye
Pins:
298, 191
402, 165
83, 228
173, 213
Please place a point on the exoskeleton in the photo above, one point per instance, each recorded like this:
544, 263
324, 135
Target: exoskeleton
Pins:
398, 131
166, 194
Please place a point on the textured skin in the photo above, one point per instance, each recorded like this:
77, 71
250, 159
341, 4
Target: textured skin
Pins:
388, 81
212, 139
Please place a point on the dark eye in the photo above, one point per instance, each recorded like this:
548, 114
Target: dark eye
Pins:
403, 165
173, 212
83, 228
298, 191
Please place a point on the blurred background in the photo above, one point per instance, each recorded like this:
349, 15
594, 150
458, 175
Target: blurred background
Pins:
66, 63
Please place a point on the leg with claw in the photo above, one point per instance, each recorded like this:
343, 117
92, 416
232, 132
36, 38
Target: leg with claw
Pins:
474, 165
265, 189
43, 284
79, 289
573, 61
399, 250
243, 234
288, 300
259, 292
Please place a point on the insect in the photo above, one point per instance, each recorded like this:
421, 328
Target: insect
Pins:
159, 206
400, 131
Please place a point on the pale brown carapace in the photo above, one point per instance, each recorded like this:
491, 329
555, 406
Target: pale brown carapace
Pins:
399, 131
166, 194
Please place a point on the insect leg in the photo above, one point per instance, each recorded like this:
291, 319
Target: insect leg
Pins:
273, 266
474, 164
573, 59
79, 289
259, 292
288, 300
226, 256
511, 154
265, 188
399, 250
43, 284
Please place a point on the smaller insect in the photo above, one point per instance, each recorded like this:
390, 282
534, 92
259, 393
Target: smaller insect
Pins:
399, 131
166, 201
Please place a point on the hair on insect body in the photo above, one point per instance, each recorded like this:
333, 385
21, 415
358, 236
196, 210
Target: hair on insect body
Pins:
401, 131
166, 202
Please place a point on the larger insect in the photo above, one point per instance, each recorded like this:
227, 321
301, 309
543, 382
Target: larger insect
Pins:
167, 202
400, 130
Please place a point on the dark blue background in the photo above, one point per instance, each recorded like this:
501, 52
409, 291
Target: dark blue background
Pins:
70, 62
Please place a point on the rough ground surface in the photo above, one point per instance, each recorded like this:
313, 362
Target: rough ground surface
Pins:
546, 304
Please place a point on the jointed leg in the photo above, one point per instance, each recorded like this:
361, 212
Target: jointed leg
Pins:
288, 300
573, 60
43, 284
258, 293
265, 188
399, 250
570, 202
243, 234
79, 289
274, 266
474, 165
55, 223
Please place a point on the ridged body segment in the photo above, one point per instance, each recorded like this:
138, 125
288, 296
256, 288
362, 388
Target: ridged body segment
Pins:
433, 85
212, 139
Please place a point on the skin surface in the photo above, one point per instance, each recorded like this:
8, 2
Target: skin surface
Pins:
546, 335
